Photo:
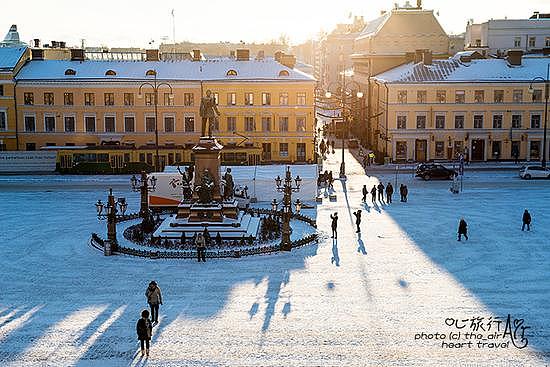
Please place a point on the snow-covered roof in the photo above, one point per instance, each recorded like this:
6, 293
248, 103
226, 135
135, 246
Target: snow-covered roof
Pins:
10, 56
214, 69
452, 70
374, 25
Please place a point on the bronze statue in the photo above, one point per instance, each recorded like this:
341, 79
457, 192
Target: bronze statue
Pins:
229, 185
206, 187
209, 113
186, 178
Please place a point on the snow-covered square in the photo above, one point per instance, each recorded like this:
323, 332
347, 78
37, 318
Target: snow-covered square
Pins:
371, 300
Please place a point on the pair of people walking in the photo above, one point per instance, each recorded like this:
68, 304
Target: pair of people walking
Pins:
144, 326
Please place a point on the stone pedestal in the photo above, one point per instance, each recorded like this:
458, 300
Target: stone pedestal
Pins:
207, 156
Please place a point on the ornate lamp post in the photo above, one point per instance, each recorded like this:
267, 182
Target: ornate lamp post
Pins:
144, 185
547, 94
287, 188
155, 86
345, 106
109, 212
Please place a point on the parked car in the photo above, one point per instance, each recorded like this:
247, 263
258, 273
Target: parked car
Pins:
435, 171
529, 172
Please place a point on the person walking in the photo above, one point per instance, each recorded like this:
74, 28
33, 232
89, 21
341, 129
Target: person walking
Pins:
365, 192
358, 220
373, 194
381, 192
332, 145
462, 229
403, 191
323, 148
330, 180
526, 220
154, 299
144, 330
334, 224
389, 192
200, 243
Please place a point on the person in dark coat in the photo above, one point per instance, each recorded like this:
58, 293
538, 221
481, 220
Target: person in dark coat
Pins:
365, 192
358, 220
144, 330
389, 192
334, 224
154, 299
526, 220
381, 192
330, 180
373, 194
200, 243
332, 145
403, 190
462, 229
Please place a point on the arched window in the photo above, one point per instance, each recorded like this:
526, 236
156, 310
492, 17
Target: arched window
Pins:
151, 73
110, 72
231, 72
70, 72
284, 73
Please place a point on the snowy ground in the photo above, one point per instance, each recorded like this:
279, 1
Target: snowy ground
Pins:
354, 302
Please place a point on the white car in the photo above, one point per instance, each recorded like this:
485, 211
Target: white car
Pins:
529, 172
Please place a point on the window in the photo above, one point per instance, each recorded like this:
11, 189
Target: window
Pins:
249, 99
89, 99
535, 121
478, 122
300, 124
301, 99
534, 150
460, 96
89, 121
283, 124
149, 99
3, 121
496, 148
459, 121
150, 124
168, 99
188, 99
401, 96
129, 124
231, 73
69, 124
109, 99
497, 121
517, 41
547, 42
401, 122
266, 99
517, 95
421, 96
284, 73
266, 123
216, 98
516, 121
479, 96
30, 123
49, 123
401, 150
48, 98
28, 98
70, 72
283, 99
532, 41
283, 149
110, 73
128, 99
30, 146
189, 124
441, 96
68, 99
231, 99
169, 124
421, 122
110, 124
499, 96
439, 149
1, 90
249, 123
440, 121
231, 123
537, 95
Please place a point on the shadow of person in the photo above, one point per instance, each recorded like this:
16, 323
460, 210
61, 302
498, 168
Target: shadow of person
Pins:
361, 248
376, 207
335, 257
367, 207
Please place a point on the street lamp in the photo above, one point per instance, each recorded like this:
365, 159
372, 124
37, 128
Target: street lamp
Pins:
144, 185
287, 187
109, 211
547, 94
155, 86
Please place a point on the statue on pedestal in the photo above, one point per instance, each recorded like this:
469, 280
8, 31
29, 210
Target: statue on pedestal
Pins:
229, 185
209, 113
206, 187
186, 178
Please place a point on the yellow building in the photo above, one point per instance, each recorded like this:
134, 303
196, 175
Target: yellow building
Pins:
266, 108
480, 108
11, 60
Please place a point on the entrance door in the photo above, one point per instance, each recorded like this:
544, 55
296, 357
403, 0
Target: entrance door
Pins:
266, 152
421, 149
301, 152
478, 148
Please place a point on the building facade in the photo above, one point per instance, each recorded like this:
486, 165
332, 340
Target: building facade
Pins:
480, 108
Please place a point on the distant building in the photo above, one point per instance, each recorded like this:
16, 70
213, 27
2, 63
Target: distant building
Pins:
223, 49
12, 38
456, 43
499, 35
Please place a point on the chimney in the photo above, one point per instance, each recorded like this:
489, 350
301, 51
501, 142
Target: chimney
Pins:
37, 54
288, 61
62, 44
427, 57
232, 54
152, 55
418, 56
55, 44
514, 57
36, 42
243, 54
196, 55
261, 55
279, 55
536, 15
77, 54
409, 56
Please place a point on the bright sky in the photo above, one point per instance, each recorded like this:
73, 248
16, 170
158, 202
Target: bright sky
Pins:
133, 23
